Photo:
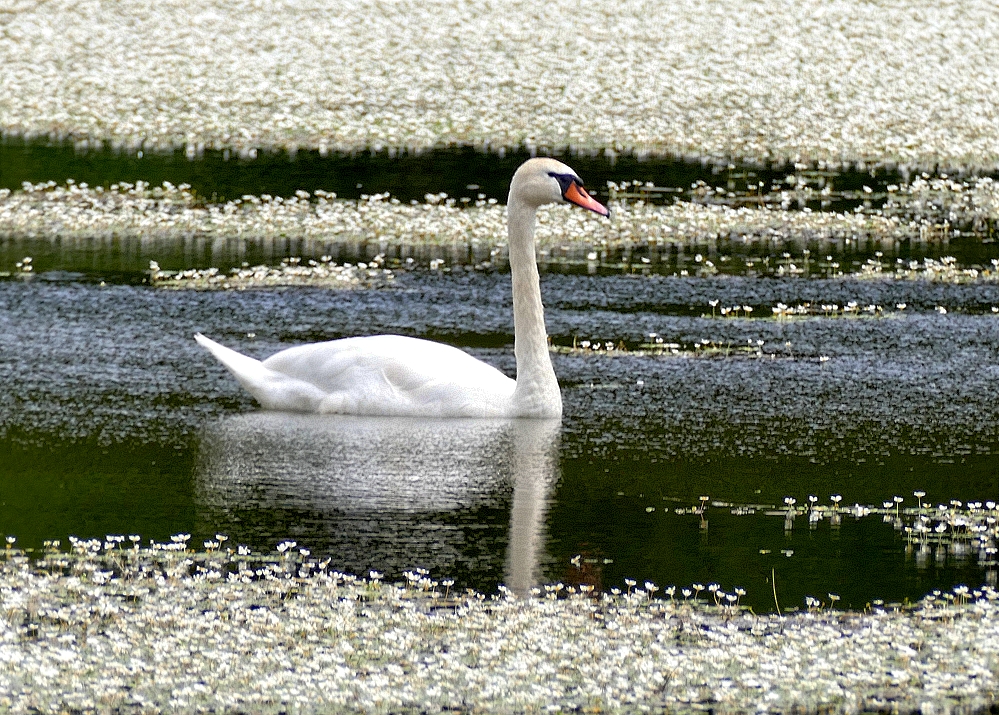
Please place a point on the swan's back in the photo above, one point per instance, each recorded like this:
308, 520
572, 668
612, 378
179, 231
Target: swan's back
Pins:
396, 375
407, 362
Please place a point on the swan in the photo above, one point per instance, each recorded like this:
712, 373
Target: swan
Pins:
394, 375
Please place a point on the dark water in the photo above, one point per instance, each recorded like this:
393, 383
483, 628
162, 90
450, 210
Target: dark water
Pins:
112, 420
117, 259
456, 171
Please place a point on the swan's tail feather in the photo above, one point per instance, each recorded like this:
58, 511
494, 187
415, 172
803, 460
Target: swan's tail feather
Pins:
272, 389
237, 363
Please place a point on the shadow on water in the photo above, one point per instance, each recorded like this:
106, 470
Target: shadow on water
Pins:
386, 494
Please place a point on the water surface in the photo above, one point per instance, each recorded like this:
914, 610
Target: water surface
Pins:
457, 171
114, 421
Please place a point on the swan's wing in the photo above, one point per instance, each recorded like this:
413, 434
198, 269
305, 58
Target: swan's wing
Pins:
392, 374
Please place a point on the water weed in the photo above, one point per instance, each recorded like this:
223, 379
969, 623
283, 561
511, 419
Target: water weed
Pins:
442, 231
170, 627
719, 81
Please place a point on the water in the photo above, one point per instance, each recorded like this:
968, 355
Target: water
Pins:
112, 420
456, 171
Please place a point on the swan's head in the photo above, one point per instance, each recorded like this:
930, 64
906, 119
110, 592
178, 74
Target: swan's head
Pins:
547, 181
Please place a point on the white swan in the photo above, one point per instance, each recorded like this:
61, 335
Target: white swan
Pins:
396, 375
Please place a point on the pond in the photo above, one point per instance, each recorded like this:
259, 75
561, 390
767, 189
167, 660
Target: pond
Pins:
672, 468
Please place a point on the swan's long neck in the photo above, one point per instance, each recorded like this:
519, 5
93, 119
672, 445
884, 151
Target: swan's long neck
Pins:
537, 393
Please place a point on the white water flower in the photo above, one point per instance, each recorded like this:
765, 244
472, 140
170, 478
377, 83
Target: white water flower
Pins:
197, 76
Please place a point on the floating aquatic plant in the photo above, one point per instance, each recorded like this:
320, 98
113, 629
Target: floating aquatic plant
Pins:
445, 232
970, 529
291, 272
819, 87
944, 270
168, 627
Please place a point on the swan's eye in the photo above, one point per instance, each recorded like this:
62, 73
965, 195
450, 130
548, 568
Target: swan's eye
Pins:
565, 181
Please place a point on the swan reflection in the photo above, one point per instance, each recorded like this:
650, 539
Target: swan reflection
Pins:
464, 498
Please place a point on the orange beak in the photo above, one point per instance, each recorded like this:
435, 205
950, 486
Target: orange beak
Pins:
576, 194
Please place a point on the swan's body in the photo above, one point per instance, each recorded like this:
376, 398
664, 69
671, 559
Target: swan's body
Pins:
396, 375
375, 375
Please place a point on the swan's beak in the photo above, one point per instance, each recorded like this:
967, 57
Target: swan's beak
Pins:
576, 194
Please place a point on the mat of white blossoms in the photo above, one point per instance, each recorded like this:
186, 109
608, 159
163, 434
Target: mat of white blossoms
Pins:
474, 231
290, 272
817, 82
113, 627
